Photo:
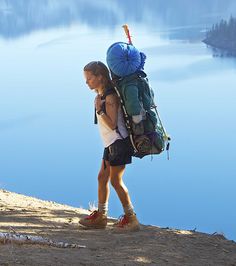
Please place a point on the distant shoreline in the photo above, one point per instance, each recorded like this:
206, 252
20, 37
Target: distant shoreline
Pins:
223, 36
222, 46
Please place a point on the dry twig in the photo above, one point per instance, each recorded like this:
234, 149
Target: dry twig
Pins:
28, 239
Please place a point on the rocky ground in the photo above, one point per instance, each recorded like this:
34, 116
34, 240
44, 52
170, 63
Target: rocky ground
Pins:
150, 246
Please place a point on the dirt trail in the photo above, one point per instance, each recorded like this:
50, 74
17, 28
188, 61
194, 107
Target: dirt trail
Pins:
150, 246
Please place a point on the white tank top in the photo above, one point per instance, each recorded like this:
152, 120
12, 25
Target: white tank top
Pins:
108, 135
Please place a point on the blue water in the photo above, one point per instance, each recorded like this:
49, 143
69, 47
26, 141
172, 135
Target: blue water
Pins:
50, 147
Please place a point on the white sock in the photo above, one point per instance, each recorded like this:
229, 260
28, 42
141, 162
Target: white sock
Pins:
103, 207
129, 209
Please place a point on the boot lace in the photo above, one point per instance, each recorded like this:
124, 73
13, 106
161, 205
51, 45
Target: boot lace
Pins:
92, 215
122, 221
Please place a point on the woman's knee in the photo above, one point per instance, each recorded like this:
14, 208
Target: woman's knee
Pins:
116, 183
116, 174
103, 175
103, 178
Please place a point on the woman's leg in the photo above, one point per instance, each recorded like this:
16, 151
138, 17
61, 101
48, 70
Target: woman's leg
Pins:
116, 174
103, 186
129, 220
98, 218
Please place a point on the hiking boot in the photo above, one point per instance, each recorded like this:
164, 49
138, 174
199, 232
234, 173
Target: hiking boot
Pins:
95, 220
127, 223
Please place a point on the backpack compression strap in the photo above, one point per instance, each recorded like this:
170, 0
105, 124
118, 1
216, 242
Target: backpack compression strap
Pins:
167, 137
126, 118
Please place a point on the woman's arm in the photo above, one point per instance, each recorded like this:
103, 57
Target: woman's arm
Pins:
111, 116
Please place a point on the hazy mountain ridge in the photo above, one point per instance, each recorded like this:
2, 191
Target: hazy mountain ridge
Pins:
20, 17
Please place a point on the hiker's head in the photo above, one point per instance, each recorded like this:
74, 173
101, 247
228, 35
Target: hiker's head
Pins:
97, 75
124, 59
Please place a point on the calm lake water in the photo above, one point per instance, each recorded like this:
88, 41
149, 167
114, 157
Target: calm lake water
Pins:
50, 147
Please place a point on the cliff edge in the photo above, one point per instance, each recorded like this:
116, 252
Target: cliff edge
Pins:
152, 245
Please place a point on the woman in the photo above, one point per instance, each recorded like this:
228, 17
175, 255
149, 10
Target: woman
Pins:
117, 152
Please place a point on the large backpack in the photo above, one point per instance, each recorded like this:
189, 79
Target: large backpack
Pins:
149, 136
142, 120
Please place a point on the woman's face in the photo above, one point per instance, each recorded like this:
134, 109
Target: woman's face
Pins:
94, 82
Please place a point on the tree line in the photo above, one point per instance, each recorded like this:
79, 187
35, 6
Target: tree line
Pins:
223, 35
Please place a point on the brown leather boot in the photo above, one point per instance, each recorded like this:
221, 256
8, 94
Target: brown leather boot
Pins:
96, 220
127, 223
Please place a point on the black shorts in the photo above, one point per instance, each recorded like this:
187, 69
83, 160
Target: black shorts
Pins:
119, 153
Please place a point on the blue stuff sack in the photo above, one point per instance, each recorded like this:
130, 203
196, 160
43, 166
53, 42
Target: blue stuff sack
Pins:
124, 59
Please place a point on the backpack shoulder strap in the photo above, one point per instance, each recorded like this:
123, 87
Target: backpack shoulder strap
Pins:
108, 91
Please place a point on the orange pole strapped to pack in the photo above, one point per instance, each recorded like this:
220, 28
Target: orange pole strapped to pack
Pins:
126, 29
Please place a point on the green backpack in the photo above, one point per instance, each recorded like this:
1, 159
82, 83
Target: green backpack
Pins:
149, 136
